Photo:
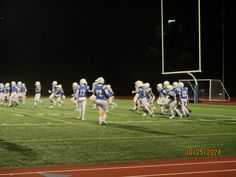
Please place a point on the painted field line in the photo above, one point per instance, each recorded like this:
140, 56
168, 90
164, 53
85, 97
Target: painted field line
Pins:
115, 122
40, 124
42, 117
209, 115
185, 173
121, 167
117, 138
213, 115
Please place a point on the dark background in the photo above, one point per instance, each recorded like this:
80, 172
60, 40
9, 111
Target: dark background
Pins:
66, 40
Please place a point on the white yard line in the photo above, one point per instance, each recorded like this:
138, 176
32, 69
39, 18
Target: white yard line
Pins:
42, 117
118, 138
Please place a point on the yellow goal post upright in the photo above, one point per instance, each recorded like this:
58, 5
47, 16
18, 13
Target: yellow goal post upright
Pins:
165, 28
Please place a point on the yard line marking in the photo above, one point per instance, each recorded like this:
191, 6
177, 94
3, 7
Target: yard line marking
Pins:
120, 122
20, 115
57, 120
117, 138
185, 173
41, 124
122, 167
216, 115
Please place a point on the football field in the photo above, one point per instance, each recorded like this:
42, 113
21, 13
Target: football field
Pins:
42, 136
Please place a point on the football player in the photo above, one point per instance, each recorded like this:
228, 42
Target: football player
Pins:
14, 94
93, 97
101, 92
161, 98
53, 94
22, 93
136, 99
6, 94
144, 100
150, 96
173, 102
74, 96
111, 97
167, 100
37, 97
81, 95
184, 99
1, 93
60, 95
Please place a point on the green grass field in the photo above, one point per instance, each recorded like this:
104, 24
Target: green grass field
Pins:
41, 137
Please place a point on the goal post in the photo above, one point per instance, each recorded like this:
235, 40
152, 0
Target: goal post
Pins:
209, 89
181, 49
181, 39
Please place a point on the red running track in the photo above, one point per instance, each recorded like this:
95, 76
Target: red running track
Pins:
197, 167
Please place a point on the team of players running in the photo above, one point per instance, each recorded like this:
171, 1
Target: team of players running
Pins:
170, 97
12, 95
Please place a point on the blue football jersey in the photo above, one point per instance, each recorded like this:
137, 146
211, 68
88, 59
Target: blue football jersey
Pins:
14, 88
142, 93
99, 91
54, 88
82, 90
184, 92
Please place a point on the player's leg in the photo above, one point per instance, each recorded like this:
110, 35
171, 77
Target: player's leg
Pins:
135, 102
105, 108
82, 107
100, 111
36, 99
146, 108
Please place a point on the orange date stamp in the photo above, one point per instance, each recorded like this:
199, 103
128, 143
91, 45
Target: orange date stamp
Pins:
203, 152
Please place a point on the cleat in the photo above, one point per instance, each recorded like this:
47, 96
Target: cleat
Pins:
171, 117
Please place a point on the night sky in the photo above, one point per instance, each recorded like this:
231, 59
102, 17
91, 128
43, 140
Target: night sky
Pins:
66, 40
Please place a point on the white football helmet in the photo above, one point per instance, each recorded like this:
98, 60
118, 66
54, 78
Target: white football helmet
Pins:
166, 84
75, 84
96, 81
170, 87
1, 85
19, 83
83, 81
159, 86
59, 86
146, 85
54, 83
23, 84
108, 86
7, 84
13, 83
101, 80
175, 84
139, 84
37, 83
181, 84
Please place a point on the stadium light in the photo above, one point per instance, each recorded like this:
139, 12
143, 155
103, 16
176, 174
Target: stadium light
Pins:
171, 21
